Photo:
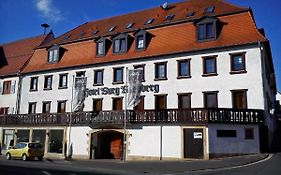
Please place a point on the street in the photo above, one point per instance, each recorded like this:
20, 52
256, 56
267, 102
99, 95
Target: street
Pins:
250, 165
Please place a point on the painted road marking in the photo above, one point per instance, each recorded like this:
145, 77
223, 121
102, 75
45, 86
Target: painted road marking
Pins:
46, 173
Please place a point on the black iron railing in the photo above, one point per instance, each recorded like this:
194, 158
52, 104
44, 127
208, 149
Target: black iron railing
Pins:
194, 115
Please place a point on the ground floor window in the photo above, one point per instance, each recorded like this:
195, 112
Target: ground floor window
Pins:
39, 136
22, 135
55, 144
8, 138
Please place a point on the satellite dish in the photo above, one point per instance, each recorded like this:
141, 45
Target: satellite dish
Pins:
164, 6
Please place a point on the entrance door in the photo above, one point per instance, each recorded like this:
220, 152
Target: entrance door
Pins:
193, 143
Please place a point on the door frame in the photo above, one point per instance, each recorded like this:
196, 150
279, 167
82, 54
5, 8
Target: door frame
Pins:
205, 141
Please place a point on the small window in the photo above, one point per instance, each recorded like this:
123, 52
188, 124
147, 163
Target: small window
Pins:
141, 67
239, 99
61, 107
238, 63
210, 99
118, 75
111, 28
141, 38
226, 133
33, 83
140, 42
169, 17
161, 71
207, 29
95, 32
209, 10
120, 43
32, 108
184, 101
65, 38
190, 14
62, 81
48, 82
46, 107
140, 105
249, 133
4, 111
129, 25
100, 47
160, 102
98, 77
117, 104
209, 66
184, 68
6, 87
148, 21
53, 54
97, 105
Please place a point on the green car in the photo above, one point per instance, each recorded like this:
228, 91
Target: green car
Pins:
25, 151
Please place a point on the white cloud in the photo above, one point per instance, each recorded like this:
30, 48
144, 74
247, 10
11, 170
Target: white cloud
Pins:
48, 10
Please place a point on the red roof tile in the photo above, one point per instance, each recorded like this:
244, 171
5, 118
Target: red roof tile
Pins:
14, 55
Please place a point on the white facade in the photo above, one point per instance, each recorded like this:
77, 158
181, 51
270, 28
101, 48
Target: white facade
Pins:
10, 99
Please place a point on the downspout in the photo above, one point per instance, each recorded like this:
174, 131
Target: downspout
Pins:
17, 110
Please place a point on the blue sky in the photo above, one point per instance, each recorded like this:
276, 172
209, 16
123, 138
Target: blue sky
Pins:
23, 18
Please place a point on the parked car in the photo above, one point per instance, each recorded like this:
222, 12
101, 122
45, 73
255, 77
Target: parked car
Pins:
25, 151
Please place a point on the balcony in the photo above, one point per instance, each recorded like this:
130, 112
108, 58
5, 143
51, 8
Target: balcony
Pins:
172, 116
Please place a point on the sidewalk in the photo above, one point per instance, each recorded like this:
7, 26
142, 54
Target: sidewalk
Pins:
164, 167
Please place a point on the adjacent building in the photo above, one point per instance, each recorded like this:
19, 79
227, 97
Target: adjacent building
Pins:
208, 86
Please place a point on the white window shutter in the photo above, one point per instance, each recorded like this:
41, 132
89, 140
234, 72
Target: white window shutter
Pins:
13, 87
11, 110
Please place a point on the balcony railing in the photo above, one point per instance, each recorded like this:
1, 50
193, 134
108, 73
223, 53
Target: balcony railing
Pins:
195, 115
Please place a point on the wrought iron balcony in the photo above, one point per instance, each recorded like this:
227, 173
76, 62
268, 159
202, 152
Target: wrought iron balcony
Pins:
194, 115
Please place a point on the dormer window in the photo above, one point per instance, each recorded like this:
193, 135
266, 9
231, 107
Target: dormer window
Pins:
111, 28
148, 21
207, 29
169, 17
129, 25
190, 14
209, 10
140, 40
53, 54
100, 46
120, 43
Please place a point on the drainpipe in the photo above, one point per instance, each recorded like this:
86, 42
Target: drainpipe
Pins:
17, 110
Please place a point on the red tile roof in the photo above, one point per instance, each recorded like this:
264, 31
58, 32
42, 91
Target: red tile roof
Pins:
238, 29
14, 55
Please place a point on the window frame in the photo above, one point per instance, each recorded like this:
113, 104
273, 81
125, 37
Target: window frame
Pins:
204, 22
44, 109
114, 105
118, 38
7, 86
180, 101
205, 73
61, 102
32, 79
179, 69
115, 81
52, 58
30, 111
95, 80
249, 136
46, 78
156, 71
245, 100
205, 94
94, 107
101, 40
243, 57
142, 66
61, 86
156, 98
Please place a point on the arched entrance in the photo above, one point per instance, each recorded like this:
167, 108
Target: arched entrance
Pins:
108, 144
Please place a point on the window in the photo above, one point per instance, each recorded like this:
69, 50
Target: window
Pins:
97, 106
33, 83
32, 108
118, 75
190, 14
120, 43
46, 107
62, 81
39, 136
210, 99
4, 111
184, 101
55, 142
80, 74
239, 99
95, 32
48, 82
209, 10
141, 67
160, 102
117, 103
207, 29
161, 71
209, 66
226, 133
148, 21
140, 40
237, 62
98, 77
23, 136
53, 54
129, 25
111, 28
100, 46
184, 68
61, 107
169, 17
249, 133
140, 105
6, 87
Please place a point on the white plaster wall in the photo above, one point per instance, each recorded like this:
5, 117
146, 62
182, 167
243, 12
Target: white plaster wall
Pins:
79, 139
9, 100
224, 82
224, 145
172, 141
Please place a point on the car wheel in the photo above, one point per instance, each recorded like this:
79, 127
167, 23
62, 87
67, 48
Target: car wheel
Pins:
40, 158
24, 157
8, 156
